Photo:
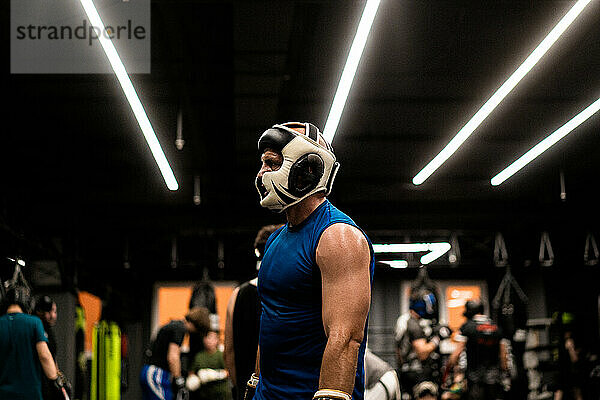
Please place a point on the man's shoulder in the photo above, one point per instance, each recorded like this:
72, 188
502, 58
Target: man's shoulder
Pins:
27, 318
336, 215
173, 326
469, 328
248, 286
26, 322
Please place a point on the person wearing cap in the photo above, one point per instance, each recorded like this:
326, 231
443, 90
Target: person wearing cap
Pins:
315, 278
161, 377
243, 321
24, 350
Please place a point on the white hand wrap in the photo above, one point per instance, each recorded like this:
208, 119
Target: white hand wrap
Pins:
331, 394
210, 375
192, 383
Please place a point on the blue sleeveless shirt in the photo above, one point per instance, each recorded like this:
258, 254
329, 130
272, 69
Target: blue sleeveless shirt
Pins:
292, 339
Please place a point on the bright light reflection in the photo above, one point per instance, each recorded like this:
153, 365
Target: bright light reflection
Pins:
435, 250
500, 94
546, 143
396, 263
358, 45
132, 97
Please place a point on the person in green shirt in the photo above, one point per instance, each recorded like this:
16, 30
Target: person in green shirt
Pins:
24, 353
208, 379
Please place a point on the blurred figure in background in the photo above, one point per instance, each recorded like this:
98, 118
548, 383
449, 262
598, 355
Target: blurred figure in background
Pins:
46, 310
161, 377
24, 351
419, 356
567, 356
207, 379
243, 321
381, 380
487, 357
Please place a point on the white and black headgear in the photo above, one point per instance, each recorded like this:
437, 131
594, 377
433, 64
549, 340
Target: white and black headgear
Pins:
309, 165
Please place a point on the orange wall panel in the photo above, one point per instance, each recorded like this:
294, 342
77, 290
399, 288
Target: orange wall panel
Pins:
92, 306
456, 297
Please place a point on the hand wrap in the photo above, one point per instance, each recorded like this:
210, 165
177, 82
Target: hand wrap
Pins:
251, 387
331, 394
178, 388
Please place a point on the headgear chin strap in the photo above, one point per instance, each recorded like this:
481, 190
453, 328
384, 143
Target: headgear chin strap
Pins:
309, 165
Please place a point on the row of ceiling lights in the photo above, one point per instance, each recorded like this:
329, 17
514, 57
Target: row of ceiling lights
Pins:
343, 89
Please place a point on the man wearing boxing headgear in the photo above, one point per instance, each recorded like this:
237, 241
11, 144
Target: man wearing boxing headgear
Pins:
315, 278
420, 356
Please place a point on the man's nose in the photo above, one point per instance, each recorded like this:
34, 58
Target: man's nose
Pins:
264, 168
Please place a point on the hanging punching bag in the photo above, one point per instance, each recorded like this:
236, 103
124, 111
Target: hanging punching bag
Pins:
203, 295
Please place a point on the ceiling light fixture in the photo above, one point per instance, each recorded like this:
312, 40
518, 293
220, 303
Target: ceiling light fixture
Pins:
546, 143
396, 263
356, 50
435, 250
132, 97
500, 94
17, 260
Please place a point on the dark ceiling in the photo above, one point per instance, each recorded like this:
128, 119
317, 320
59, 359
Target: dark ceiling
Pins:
79, 183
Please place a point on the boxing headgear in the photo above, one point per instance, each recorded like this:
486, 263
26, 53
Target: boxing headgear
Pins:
425, 306
309, 165
473, 307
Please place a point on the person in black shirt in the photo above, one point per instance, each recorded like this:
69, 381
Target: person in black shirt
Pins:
486, 353
243, 322
161, 377
45, 308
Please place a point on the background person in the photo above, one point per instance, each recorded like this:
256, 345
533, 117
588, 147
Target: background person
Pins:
381, 381
161, 377
243, 322
420, 369
208, 377
24, 351
481, 339
46, 310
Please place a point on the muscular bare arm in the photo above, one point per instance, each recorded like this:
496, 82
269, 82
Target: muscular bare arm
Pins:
48, 364
343, 257
174, 359
228, 353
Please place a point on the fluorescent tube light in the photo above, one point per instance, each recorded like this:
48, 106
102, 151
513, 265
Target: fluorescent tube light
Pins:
435, 250
356, 50
546, 143
132, 97
397, 263
500, 94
